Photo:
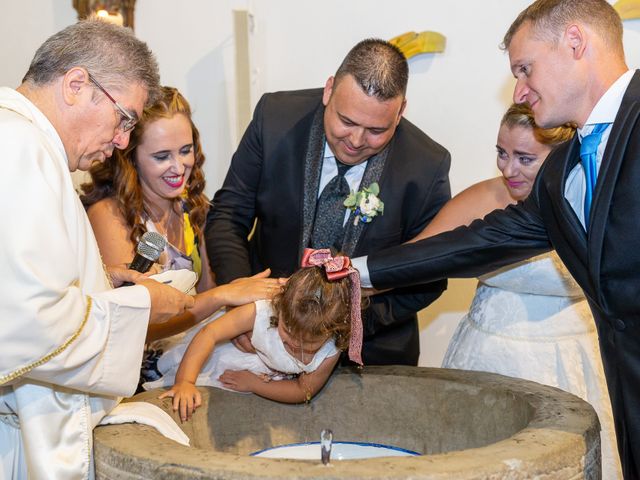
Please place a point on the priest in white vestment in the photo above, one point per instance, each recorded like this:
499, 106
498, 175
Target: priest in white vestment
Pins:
70, 343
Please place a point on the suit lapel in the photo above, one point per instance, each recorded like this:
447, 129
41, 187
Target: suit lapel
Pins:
372, 174
565, 230
312, 170
608, 176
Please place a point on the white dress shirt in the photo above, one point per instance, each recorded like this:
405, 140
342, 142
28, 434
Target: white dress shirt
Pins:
330, 169
605, 111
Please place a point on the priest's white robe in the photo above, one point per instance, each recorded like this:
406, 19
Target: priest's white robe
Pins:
70, 344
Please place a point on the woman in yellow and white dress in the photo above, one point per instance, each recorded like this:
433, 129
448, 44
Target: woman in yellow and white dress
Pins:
157, 184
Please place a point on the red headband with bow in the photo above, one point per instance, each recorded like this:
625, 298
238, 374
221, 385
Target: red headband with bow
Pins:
337, 268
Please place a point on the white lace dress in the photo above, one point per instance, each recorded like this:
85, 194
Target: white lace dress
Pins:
271, 359
530, 320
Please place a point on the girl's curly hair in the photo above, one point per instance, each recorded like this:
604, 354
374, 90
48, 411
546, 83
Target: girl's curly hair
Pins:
313, 307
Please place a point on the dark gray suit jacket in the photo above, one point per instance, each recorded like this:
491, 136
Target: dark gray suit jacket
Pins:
605, 262
273, 180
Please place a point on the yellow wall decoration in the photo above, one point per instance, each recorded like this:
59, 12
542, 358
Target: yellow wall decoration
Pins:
628, 9
412, 43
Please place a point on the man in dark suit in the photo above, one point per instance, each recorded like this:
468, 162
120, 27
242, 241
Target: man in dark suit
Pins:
292, 149
568, 60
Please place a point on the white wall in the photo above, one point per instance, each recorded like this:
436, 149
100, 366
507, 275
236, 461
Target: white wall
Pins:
457, 97
24, 26
193, 41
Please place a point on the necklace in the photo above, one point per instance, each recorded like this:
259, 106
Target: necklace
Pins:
169, 224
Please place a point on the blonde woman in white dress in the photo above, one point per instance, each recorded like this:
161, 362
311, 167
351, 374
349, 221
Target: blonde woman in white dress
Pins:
528, 320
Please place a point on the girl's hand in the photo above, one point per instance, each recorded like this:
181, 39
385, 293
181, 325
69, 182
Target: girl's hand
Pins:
239, 380
186, 398
243, 342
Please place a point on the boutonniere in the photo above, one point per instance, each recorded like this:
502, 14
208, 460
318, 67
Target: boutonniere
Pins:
365, 204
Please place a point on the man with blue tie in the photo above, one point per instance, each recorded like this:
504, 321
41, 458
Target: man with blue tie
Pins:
568, 60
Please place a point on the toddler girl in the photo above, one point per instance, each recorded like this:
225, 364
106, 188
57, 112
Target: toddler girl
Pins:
297, 337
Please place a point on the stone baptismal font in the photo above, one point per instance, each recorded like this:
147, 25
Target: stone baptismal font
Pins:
464, 425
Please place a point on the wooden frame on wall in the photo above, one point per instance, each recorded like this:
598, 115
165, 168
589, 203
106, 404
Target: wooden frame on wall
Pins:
115, 8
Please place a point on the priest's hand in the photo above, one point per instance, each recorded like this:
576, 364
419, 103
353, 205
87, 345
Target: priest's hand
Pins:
166, 301
120, 274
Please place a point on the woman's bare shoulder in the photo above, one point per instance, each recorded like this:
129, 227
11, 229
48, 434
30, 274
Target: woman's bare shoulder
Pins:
104, 207
470, 204
111, 231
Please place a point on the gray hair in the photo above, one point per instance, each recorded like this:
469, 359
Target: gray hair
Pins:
112, 54
378, 67
549, 18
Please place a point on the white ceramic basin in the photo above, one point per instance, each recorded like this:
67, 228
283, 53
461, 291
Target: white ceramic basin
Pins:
339, 451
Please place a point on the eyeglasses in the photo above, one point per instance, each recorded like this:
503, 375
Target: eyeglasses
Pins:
127, 121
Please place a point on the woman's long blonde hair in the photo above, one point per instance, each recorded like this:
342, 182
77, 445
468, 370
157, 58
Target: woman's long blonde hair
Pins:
521, 115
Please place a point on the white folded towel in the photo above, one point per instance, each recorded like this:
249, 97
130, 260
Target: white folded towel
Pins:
147, 414
184, 280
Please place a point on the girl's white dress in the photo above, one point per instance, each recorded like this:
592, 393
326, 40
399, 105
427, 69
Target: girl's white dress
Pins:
271, 360
530, 320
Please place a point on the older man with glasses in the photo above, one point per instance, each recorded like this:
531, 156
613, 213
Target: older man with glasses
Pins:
70, 342
127, 120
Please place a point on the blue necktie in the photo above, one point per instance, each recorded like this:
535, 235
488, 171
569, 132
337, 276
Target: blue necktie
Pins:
588, 155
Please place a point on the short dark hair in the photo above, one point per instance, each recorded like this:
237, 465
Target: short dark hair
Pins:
549, 18
378, 67
112, 54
